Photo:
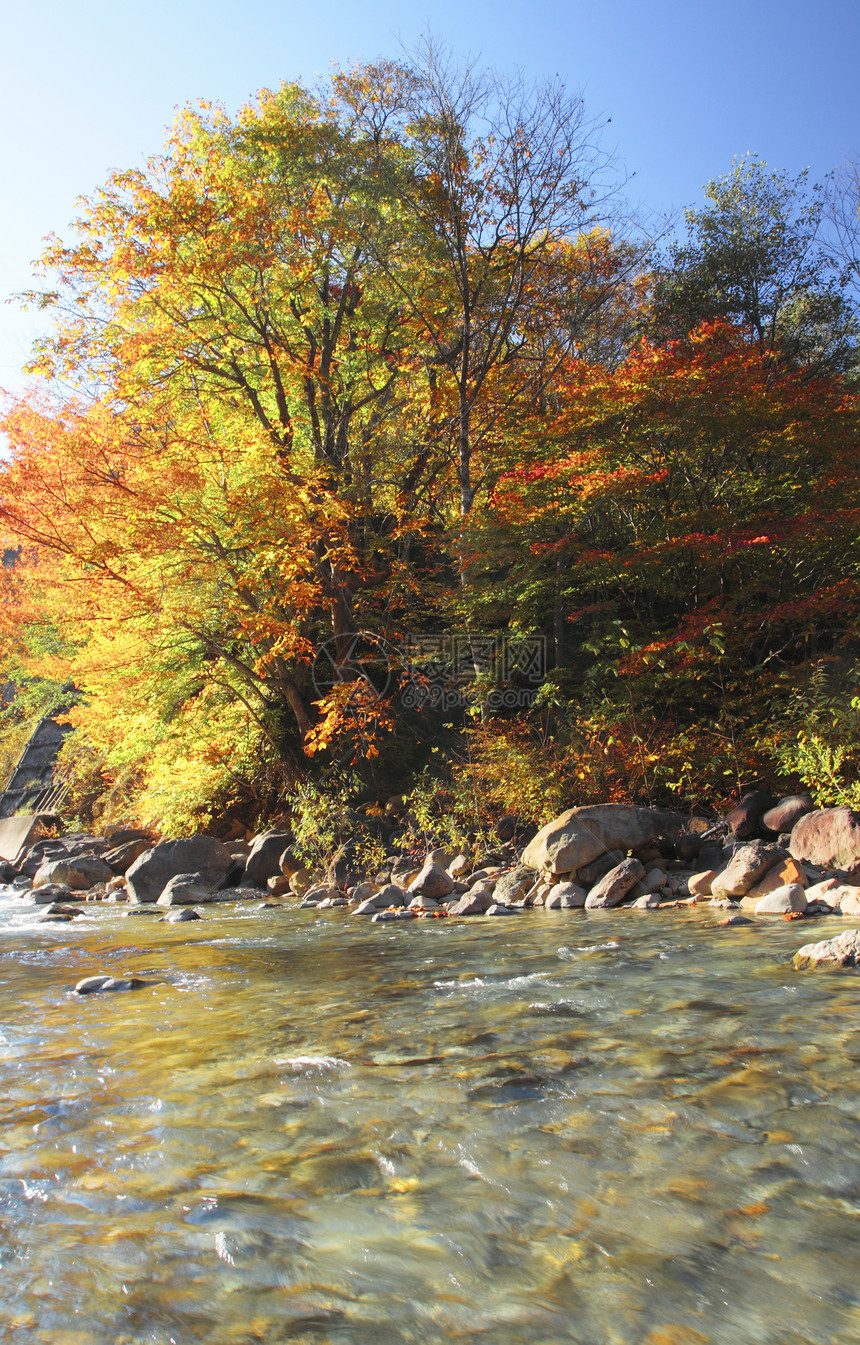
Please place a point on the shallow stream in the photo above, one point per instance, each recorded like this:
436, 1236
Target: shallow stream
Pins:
613, 1128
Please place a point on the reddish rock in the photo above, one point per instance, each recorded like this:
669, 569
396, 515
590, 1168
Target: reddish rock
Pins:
829, 837
745, 817
787, 813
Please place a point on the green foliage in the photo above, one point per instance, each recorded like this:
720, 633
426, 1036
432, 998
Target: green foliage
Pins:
755, 255
818, 739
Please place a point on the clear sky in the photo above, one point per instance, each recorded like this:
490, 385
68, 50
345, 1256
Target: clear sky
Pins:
87, 86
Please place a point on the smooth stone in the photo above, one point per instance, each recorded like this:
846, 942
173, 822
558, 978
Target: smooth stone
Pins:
580, 835
178, 917
782, 901
514, 885
432, 882
615, 885
565, 896
747, 866
499, 908
93, 984
383, 917
736, 920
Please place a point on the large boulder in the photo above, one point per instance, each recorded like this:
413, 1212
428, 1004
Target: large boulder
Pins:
843, 951
432, 882
747, 866
787, 813
79, 872
745, 817
615, 885
150, 873
264, 859
186, 889
581, 834
829, 837
121, 857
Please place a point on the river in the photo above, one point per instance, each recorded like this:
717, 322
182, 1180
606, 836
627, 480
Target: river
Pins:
608, 1128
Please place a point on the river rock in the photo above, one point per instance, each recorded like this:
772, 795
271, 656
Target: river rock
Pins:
116, 836
744, 818
785, 872
43, 896
748, 864
78, 872
829, 837
579, 835
423, 904
186, 889
787, 813
735, 920
649, 901
499, 908
150, 873
699, 885
459, 866
565, 897
93, 984
389, 895
846, 900
121, 857
477, 901
432, 882
781, 901
514, 885
843, 951
264, 858
615, 885
279, 885
383, 917
177, 917
655, 880
589, 874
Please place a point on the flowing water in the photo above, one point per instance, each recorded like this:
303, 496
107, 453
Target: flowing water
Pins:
613, 1128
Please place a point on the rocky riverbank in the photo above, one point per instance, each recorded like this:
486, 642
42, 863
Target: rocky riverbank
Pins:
768, 858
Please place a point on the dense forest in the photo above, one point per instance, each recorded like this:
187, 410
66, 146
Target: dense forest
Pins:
377, 450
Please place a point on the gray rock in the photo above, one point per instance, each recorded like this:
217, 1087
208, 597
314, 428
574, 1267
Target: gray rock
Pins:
366, 907
748, 864
615, 885
499, 908
589, 874
735, 920
177, 917
647, 902
843, 951
565, 897
389, 895
152, 871
514, 885
264, 858
78, 872
432, 883
782, 900
581, 834
186, 889
477, 901
43, 896
383, 917
121, 857
91, 985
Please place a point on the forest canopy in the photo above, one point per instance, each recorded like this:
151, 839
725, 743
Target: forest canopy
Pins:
359, 401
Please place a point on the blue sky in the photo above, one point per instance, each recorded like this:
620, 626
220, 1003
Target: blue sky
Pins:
87, 86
